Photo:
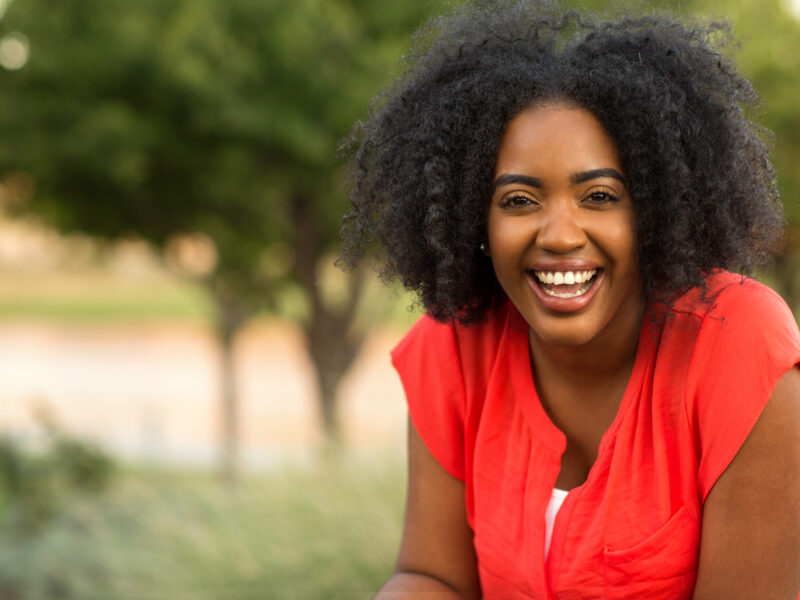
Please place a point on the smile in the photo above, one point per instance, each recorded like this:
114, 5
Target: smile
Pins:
565, 284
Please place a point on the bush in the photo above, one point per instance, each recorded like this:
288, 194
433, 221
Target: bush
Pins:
323, 531
36, 481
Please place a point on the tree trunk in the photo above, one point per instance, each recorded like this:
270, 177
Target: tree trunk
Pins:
332, 343
328, 381
231, 314
787, 271
229, 471
332, 349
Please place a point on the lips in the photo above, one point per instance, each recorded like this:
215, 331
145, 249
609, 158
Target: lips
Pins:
565, 291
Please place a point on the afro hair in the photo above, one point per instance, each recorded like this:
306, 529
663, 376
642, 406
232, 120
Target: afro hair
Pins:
665, 90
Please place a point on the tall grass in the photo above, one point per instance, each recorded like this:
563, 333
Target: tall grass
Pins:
325, 531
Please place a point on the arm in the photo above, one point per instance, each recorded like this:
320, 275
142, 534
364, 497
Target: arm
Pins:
750, 546
437, 558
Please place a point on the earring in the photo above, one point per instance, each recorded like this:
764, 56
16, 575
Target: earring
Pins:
483, 247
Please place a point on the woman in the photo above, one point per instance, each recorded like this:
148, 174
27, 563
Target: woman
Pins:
599, 407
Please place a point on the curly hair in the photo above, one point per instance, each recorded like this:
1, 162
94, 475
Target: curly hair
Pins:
665, 91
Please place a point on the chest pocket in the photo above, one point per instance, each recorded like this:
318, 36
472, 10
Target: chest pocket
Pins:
662, 566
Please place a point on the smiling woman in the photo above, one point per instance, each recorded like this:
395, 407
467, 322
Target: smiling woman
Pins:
602, 404
561, 211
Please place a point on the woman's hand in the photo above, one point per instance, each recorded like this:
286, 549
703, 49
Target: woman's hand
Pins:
436, 554
750, 545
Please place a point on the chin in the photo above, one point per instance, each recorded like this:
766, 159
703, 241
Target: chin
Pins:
568, 336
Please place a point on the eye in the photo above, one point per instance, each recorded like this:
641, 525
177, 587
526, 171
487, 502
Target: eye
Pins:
516, 201
599, 197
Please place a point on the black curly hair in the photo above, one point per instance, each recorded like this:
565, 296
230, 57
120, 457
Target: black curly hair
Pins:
666, 92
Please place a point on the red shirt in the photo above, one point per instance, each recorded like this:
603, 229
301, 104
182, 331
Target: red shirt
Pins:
632, 529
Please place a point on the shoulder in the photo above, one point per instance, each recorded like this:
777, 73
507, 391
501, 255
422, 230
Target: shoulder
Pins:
443, 367
442, 340
734, 311
741, 340
737, 320
727, 295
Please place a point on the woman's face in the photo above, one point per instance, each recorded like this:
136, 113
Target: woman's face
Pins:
562, 227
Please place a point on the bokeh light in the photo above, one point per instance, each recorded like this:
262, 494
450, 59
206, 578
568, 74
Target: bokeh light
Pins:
793, 7
14, 51
193, 254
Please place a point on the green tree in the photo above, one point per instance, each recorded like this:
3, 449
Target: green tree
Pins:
200, 117
770, 56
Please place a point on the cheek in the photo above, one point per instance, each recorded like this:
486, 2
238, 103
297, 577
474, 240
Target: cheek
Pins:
505, 245
508, 235
622, 242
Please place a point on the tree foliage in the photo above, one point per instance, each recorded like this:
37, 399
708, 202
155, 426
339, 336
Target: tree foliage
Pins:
156, 119
151, 118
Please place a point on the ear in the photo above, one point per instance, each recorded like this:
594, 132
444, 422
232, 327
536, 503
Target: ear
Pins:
485, 248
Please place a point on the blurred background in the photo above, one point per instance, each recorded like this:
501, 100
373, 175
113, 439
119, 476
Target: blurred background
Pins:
194, 402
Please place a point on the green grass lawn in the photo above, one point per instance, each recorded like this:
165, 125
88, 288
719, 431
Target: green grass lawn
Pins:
95, 295
326, 531
99, 296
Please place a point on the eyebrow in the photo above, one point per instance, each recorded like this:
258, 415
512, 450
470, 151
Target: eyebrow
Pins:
514, 178
575, 178
597, 174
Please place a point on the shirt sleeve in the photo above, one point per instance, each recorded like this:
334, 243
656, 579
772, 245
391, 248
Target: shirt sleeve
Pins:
747, 341
429, 365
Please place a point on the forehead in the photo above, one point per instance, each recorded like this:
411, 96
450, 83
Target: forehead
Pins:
555, 138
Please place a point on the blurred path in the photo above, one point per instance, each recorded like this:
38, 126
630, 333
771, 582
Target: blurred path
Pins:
149, 391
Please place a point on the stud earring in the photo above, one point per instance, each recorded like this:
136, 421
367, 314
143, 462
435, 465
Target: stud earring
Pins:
484, 248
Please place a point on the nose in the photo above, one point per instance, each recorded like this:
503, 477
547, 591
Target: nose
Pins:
560, 229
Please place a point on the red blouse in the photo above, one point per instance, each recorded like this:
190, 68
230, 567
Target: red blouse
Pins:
632, 529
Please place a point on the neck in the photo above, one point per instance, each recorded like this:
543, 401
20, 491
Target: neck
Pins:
606, 357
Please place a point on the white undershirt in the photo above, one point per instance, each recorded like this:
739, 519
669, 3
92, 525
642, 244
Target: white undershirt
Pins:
556, 500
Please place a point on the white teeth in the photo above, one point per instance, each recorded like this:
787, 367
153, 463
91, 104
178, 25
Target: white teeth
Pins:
555, 278
565, 277
580, 292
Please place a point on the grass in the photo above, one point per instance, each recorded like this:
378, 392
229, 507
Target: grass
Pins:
325, 531
99, 296
95, 295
